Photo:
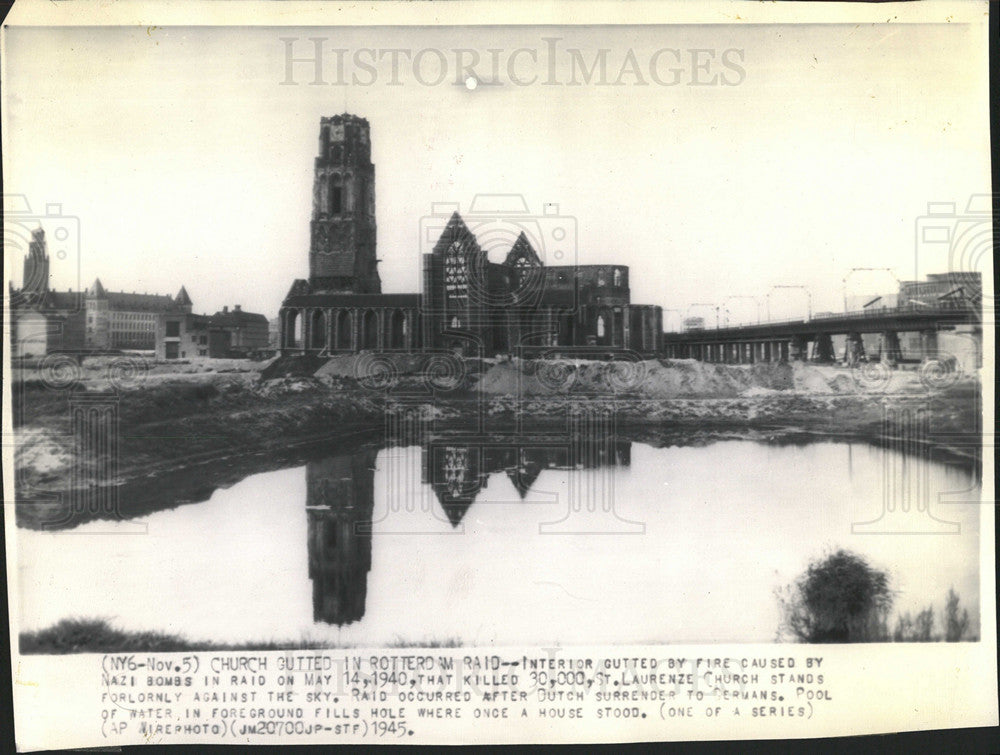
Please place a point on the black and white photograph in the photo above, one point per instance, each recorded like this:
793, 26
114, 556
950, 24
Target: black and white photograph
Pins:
440, 374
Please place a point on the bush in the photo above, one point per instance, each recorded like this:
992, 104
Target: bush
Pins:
839, 599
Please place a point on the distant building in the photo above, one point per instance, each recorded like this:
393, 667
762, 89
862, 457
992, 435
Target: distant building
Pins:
44, 320
119, 320
55, 325
274, 333
248, 331
182, 335
694, 323
942, 287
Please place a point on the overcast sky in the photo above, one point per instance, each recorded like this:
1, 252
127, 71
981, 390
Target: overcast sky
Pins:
187, 161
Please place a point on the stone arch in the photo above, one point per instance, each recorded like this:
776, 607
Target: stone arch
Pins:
293, 329
317, 329
369, 330
397, 329
344, 329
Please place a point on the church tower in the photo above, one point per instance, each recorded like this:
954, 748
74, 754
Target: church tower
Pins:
36, 265
342, 231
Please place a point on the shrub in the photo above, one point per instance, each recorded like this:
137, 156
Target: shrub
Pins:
955, 625
840, 598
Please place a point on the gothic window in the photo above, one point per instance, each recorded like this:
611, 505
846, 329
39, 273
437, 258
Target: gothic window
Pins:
618, 278
456, 469
600, 326
456, 277
336, 200
600, 279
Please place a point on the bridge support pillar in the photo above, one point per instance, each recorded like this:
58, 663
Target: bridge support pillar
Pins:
891, 352
799, 348
854, 349
824, 348
928, 344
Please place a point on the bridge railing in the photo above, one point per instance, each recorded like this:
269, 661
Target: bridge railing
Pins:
943, 307
946, 306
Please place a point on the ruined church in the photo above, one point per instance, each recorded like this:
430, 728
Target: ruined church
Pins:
468, 303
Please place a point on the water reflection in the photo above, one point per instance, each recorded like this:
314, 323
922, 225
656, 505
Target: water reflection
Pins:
340, 497
340, 501
447, 538
458, 473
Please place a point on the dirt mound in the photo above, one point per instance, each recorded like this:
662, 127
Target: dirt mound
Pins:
292, 366
365, 364
651, 378
686, 378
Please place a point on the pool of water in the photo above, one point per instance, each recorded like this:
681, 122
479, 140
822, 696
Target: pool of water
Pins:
487, 541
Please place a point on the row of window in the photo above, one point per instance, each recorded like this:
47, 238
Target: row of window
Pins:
130, 326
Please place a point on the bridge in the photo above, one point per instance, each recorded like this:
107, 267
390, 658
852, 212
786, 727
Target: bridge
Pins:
813, 338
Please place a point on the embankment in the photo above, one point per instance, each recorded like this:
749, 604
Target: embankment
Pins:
184, 430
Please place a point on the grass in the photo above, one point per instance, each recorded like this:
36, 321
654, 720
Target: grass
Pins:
98, 636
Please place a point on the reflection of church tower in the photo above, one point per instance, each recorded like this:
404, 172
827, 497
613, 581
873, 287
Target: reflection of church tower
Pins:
342, 243
340, 500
